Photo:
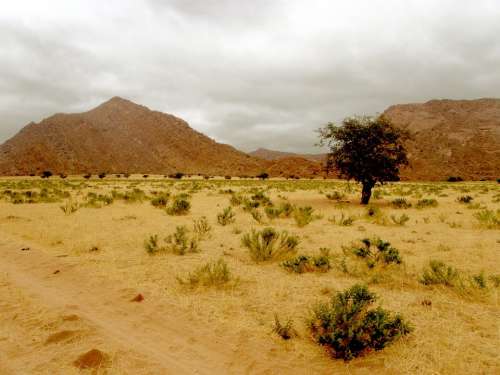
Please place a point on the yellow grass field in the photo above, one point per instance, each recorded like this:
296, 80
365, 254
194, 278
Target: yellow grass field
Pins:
70, 290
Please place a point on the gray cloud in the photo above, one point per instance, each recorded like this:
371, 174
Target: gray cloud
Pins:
251, 74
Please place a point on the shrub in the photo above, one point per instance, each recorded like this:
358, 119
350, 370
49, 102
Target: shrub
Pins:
438, 272
348, 328
343, 220
87, 176
151, 245
177, 175
180, 206
268, 244
465, 199
488, 219
161, 200
376, 251
102, 175
214, 274
305, 263
400, 203
69, 207
285, 331
335, 196
94, 200
256, 214
226, 217
303, 215
427, 202
179, 243
263, 176
284, 210
236, 200
201, 228
454, 179
401, 220
46, 174
63, 175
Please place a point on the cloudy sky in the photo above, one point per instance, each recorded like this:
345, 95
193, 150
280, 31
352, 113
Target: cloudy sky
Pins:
249, 73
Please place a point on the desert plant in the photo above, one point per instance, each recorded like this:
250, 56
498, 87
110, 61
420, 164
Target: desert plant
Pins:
263, 175
69, 207
226, 217
201, 228
348, 328
488, 219
151, 245
212, 274
46, 174
335, 195
160, 200
376, 251
268, 244
438, 272
343, 220
180, 206
179, 242
101, 175
465, 199
303, 215
427, 202
400, 203
401, 220
285, 331
256, 215
306, 263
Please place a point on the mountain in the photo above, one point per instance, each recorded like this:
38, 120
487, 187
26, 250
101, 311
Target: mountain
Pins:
451, 138
266, 154
116, 137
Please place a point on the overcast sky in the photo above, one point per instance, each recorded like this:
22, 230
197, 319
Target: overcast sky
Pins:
256, 73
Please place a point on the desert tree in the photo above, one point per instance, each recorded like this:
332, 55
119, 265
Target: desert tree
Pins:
366, 149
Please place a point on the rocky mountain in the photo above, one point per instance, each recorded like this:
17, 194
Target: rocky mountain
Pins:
116, 137
266, 154
451, 138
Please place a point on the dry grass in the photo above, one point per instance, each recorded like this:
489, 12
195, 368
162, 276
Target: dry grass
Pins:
454, 333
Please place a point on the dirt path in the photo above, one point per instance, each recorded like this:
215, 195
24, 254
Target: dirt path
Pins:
162, 339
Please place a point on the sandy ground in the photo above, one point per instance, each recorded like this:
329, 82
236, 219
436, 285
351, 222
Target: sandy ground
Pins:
59, 300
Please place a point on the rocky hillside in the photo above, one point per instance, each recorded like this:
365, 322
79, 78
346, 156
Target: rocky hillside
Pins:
451, 138
116, 137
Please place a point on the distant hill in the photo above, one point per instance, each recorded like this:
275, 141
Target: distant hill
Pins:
267, 154
451, 138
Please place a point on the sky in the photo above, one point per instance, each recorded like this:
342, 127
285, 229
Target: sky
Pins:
257, 73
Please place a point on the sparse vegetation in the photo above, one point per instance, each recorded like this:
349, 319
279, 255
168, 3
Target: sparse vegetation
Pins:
226, 217
212, 274
180, 206
269, 244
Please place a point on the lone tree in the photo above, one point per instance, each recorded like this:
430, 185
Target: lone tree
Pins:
366, 149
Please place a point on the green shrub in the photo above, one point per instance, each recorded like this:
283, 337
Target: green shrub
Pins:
376, 251
438, 272
236, 200
284, 210
488, 219
226, 217
401, 220
151, 245
180, 206
306, 263
348, 328
303, 215
179, 243
343, 220
69, 207
161, 200
256, 215
212, 274
400, 203
268, 244
427, 202
201, 228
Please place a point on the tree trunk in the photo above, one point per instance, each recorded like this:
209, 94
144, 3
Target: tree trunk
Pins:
367, 192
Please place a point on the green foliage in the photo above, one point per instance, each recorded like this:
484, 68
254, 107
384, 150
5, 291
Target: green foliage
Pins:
376, 251
400, 203
348, 328
369, 150
94, 200
401, 220
488, 219
343, 220
151, 245
438, 272
212, 274
303, 215
179, 242
426, 203
284, 210
160, 200
226, 217
268, 244
306, 263
180, 206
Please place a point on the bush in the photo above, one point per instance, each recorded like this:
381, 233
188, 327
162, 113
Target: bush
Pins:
401, 220
263, 176
226, 217
161, 200
214, 274
348, 328
201, 228
102, 175
465, 199
87, 176
400, 203
343, 220
488, 219
179, 243
438, 272
285, 331
305, 263
268, 244
335, 196
151, 245
376, 251
454, 179
46, 174
69, 207
180, 206
427, 202
303, 215
284, 210
177, 175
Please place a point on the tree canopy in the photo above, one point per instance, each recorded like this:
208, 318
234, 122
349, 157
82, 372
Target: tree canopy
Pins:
367, 149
